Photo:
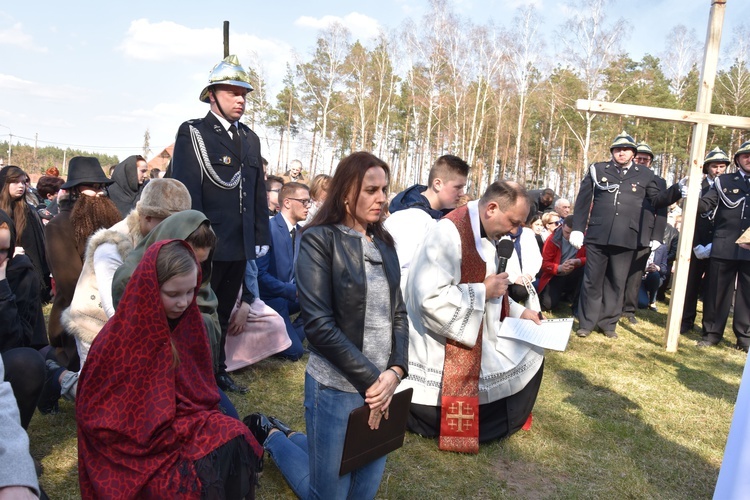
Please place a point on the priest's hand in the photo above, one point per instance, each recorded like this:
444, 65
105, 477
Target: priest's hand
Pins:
496, 285
576, 239
534, 316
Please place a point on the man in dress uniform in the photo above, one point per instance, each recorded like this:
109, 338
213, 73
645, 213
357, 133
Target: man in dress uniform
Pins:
729, 262
714, 165
650, 235
611, 199
218, 159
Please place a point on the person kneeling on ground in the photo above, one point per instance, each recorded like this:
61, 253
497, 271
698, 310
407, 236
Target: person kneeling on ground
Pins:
148, 416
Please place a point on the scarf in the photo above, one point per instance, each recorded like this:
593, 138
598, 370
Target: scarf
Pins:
142, 422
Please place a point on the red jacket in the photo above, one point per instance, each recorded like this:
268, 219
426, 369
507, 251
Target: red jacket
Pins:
551, 257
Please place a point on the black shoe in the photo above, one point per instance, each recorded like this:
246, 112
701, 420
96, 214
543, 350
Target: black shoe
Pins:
610, 334
50, 395
281, 426
685, 328
705, 343
226, 384
582, 332
632, 319
260, 425
742, 348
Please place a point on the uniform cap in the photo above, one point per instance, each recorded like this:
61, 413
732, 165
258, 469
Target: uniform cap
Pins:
624, 141
644, 148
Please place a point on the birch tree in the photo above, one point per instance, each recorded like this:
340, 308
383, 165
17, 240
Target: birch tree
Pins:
589, 44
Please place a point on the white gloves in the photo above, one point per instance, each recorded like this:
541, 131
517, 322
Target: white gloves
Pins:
576, 239
702, 252
654, 245
260, 251
683, 187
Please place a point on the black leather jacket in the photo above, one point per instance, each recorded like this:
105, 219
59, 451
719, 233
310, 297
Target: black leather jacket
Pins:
332, 289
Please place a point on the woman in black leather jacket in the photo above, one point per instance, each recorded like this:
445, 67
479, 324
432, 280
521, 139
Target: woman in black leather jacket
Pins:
355, 320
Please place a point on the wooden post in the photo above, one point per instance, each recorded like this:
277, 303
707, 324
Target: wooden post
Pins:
697, 150
226, 38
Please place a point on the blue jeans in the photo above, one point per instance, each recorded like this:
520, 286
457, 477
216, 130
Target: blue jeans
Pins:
311, 464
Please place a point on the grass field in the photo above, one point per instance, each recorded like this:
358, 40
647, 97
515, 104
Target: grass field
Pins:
614, 419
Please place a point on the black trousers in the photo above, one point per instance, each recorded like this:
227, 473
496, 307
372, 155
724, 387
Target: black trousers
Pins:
226, 280
717, 300
569, 284
697, 280
497, 420
604, 277
630, 303
25, 370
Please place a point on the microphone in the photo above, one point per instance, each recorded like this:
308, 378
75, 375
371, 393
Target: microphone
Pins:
504, 249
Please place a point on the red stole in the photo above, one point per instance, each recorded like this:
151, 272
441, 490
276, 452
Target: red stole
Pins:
459, 414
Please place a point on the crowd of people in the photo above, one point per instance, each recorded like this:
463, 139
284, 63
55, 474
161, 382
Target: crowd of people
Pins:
160, 287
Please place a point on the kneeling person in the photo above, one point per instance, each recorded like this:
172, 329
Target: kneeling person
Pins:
469, 385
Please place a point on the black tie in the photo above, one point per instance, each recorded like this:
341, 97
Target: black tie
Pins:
236, 139
293, 234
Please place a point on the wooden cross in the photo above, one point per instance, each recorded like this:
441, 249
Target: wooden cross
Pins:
701, 119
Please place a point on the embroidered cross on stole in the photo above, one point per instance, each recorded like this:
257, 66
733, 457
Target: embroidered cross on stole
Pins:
459, 412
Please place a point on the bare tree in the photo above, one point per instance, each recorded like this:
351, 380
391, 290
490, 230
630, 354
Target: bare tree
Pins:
524, 48
733, 89
322, 79
589, 45
680, 57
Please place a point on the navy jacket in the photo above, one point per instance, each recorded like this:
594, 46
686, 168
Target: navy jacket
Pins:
239, 216
614, 213
276, 268
729, 223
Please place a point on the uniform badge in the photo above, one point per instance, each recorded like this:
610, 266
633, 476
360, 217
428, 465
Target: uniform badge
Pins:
218, 129
725, 190
736, 178
735, 191
604, 179
633, 187
226, 160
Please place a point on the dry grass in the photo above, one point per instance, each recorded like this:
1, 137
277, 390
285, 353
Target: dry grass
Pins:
614, 419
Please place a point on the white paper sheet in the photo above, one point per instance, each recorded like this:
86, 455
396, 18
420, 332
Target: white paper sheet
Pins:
551, 334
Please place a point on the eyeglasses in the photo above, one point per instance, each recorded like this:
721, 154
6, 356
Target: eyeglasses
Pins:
273, 190
305, 203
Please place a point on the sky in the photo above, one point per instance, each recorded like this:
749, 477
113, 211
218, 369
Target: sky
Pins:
95, 75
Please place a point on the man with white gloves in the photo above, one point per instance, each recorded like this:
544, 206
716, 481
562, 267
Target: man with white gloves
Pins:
610, 200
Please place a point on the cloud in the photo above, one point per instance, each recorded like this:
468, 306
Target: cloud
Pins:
166, 41
12, 33
360, 25
53, 91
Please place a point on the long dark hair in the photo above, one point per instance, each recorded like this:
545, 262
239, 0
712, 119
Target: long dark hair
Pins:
349, 174
16, 208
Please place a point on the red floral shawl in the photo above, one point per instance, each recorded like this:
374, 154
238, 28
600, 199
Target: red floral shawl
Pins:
141, 422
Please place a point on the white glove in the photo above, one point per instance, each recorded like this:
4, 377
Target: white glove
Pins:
702, 252
654, 245
683, 187
576, 239
260, 251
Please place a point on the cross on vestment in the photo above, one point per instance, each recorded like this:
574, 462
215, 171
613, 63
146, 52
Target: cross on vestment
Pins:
701, 119
457, 419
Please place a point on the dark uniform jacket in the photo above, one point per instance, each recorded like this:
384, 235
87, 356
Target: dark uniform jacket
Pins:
704, 224
729, 223
615, 216
239, 216
653, 220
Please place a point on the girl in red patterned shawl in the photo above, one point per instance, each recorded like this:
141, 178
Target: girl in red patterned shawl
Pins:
147, 407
